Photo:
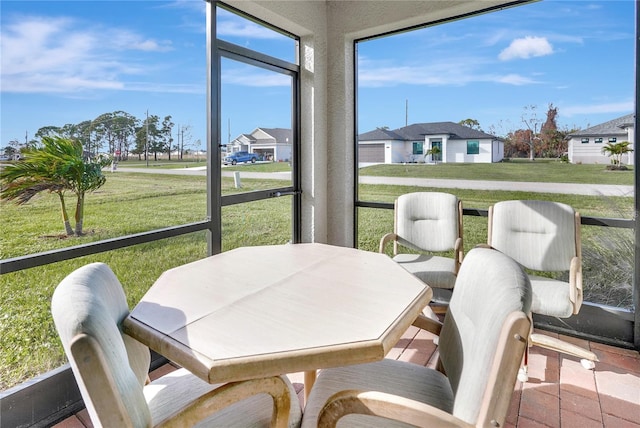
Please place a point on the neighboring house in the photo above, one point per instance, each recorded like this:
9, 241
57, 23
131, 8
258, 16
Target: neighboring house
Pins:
454, 142
585, 146
272, 144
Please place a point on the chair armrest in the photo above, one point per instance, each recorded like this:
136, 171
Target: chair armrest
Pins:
385, 239
386, 406
458, 254
219, 398
429, 324
99, 383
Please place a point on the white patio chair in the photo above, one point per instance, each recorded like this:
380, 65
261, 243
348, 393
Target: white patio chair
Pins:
482, 341
111, 369
544, 236
429, 223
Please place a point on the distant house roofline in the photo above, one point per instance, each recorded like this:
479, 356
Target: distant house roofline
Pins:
611, 127
418, 131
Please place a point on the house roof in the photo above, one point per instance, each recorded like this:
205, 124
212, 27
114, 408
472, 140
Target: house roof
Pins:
380, 134
281, 135
417, 131
611, 127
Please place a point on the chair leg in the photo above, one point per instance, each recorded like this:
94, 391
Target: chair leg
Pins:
588, 364
439, 309
588, 358
523, 373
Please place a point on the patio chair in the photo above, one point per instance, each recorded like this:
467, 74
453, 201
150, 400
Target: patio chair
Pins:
482, 341
111, 369
544, 236
428, 223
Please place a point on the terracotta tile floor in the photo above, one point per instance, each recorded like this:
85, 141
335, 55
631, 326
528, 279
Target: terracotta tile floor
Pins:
559, 393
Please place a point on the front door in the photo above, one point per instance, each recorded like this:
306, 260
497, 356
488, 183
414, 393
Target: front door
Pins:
436, 151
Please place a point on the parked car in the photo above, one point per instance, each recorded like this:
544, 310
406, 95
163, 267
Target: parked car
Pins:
236, 157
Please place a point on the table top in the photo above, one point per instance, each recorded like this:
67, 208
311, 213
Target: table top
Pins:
269, 310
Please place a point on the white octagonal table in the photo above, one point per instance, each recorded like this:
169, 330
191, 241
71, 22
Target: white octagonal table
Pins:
262, 311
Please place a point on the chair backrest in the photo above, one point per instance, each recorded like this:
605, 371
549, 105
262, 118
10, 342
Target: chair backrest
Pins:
88, 307
478, 352
540, 235
428, 221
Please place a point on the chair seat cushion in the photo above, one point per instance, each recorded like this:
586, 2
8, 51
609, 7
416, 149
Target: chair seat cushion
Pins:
394, 377
176, 389
550, 297
436, 271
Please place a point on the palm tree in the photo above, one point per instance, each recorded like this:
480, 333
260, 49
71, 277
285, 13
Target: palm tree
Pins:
434, 151
59, 166
616, 150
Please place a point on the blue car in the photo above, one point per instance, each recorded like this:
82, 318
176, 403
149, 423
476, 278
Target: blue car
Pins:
236, 157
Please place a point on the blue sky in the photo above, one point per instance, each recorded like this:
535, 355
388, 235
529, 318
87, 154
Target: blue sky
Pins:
66, 62
577, 55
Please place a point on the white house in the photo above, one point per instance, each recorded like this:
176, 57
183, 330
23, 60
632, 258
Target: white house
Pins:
456, 143
585, 146
270, 143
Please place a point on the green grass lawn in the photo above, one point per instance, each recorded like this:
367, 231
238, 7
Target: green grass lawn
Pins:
536, 171
131, 203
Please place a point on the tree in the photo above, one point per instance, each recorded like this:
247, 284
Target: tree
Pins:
148, 137
615, 152
550, 140
184, 134
516, 143
13, 148
166, 134
48, 131
59, 166
531, 121
471, 123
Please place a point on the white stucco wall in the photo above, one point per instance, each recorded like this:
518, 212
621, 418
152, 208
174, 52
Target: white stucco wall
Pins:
457, 152
282, 153
393, 152
498, 150
591, 152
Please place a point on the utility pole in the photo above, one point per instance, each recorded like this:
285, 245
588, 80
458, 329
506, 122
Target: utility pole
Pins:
146, 144
406, 113
178, 140
181, 142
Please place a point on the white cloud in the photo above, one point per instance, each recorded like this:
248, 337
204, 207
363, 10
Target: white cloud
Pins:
255, 78
526, 47
127, 40
57, 55
515, 79
452, 72
248, 30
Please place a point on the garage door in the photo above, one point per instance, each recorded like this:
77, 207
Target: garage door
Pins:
371, 153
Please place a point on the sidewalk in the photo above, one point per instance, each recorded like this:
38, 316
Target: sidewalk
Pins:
520, 186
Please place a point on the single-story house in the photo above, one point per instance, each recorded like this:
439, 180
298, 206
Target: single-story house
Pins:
447, 142
585, 146
272, 144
